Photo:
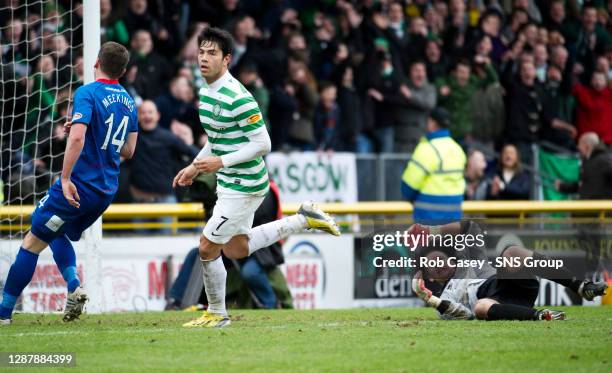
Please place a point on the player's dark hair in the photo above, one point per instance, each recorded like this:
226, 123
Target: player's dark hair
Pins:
218, 36
113, 58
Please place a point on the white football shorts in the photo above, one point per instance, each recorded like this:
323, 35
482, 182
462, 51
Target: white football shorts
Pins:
232, 215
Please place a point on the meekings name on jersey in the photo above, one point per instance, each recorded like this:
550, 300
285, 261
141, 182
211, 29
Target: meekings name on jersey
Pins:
123, 99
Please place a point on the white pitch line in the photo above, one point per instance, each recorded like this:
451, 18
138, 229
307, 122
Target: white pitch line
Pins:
72, 332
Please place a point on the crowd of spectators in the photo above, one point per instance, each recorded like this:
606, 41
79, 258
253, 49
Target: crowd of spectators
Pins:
359, 76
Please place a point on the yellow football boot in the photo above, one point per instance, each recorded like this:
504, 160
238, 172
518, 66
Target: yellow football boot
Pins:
318, 219
208, 320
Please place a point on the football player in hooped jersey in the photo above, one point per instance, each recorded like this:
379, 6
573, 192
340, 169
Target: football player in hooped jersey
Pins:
103, 128
237, 140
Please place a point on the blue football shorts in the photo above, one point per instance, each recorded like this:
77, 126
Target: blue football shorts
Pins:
54, 216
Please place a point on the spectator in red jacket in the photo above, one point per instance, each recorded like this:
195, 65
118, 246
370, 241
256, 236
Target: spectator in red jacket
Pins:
594, 112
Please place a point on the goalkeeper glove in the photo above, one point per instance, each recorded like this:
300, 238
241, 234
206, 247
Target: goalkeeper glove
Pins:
418, 287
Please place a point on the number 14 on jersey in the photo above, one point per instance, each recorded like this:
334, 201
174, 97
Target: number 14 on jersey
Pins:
119, 135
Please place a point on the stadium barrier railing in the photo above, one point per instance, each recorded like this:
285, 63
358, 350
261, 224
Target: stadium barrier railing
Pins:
120, 217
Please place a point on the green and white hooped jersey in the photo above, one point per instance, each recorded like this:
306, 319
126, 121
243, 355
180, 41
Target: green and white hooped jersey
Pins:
229, 115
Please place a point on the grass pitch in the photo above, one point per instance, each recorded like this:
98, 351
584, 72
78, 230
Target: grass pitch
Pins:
361, 340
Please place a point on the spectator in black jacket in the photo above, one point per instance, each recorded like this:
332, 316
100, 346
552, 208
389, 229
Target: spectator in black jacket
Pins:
140, 16
178, 104
558, 87
435, 61
159, 154
302, 89
529, 110
244, 33
595, 173
526, 113
384, 91
326, 116
399, 34
153, 70
511, 181
350, 133
52, 150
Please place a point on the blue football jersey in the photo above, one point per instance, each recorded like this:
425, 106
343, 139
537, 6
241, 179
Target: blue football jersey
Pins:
110, 114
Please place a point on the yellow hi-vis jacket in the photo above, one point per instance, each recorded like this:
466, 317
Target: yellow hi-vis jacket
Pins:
433, 179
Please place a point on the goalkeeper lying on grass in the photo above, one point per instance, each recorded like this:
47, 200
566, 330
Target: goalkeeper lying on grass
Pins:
487, 293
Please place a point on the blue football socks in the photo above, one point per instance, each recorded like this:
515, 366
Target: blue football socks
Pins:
65, 258
19, 277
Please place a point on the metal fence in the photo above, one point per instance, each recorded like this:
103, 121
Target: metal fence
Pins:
379, 176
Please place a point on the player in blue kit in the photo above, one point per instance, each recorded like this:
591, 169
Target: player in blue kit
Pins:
103, 128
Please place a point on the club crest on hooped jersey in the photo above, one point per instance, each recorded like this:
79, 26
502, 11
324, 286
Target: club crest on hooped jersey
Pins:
216, 110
